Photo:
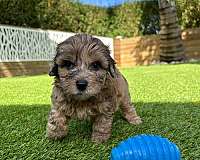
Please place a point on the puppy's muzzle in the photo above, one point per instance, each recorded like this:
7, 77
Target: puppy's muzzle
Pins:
81, 85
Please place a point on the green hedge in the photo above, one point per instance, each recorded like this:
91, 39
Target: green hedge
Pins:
65, 15
125, 20
73, 17
19, 13
188, 13
129, 19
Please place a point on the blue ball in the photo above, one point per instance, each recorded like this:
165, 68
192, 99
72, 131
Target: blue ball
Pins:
146, 147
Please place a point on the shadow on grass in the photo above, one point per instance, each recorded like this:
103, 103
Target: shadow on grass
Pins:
25, 126
153, 114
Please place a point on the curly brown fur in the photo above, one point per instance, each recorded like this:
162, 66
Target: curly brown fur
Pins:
87, 85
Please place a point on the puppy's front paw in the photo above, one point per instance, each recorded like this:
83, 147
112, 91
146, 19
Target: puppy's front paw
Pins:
134, 120
100, 137
56, 135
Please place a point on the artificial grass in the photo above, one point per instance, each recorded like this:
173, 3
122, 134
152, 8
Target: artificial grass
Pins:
167, 97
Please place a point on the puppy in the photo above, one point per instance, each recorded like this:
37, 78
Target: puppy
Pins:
87, 85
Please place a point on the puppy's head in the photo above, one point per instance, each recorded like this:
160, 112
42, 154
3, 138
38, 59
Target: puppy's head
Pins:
82, 64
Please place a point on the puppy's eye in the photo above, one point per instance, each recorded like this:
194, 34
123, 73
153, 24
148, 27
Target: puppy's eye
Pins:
95, 66
67, 64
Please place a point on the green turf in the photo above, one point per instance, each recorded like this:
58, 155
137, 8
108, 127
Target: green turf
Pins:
167, 97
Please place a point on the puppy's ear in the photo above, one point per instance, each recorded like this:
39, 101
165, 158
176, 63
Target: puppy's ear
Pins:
53, 70
112, 68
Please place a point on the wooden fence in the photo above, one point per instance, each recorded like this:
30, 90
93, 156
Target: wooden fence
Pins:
145, 50
9, 69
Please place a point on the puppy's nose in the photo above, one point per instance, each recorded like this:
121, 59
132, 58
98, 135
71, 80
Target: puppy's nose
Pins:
81, 84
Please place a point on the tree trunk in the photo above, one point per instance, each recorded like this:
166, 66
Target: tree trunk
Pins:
171, 46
